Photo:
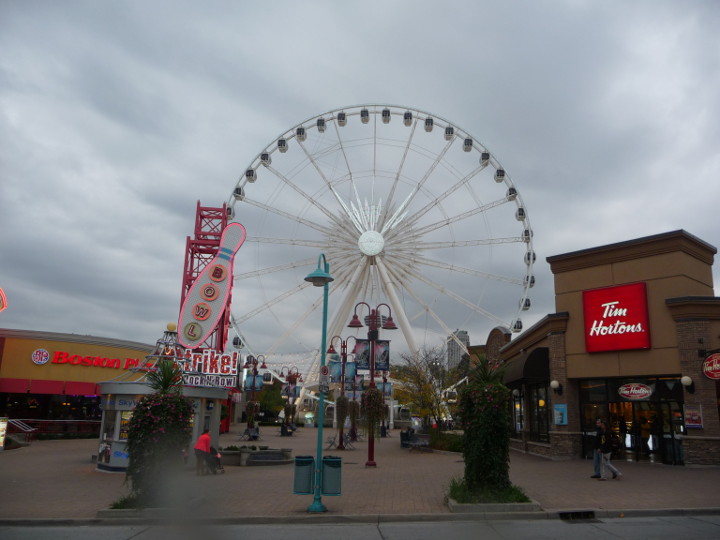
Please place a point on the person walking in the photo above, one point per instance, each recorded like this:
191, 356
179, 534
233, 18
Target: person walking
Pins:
597, 454
202, 452
606, 449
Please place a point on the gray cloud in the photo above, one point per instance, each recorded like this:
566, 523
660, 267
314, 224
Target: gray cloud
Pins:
116, 118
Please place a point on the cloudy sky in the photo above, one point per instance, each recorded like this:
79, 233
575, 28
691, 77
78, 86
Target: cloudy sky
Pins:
116, 118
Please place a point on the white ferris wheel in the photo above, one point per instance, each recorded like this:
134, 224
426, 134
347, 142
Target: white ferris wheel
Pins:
409, 209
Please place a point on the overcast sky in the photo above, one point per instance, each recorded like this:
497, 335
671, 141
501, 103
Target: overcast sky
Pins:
116, 118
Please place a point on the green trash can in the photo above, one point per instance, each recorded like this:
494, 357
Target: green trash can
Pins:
304, 471
331, 474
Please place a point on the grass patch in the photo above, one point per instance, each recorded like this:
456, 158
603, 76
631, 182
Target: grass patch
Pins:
128, 501
459, 491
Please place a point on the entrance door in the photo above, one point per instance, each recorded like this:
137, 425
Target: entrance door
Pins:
672, 431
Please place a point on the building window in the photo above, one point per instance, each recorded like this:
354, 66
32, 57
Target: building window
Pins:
538, 415
517, 405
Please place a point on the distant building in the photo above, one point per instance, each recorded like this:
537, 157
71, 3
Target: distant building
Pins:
455, 351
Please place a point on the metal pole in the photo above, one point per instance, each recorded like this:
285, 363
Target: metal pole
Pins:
372, 337
317, 505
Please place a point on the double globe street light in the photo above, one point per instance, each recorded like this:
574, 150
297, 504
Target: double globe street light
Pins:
343, 362
374, 321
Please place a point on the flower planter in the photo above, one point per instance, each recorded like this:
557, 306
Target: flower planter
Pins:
231, 458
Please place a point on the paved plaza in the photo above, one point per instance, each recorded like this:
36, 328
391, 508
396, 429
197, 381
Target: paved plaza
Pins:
57, 480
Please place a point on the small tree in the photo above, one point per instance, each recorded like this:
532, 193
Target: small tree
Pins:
422, 381
484, 405
372, 407
160, 428
354, 413
342, 404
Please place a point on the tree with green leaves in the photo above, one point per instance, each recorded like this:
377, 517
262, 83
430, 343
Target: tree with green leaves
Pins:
158, 432
422, 378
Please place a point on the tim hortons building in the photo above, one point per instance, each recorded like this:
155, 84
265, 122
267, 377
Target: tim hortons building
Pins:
635, 339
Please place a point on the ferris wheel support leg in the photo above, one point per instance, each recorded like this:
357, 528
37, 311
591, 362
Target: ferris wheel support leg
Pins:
397, 306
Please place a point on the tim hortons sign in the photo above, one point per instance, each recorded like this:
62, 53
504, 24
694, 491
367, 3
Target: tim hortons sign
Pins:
635, 391
616, 318
711, 367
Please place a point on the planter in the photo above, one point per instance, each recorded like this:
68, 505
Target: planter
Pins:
287, 453
231, 458
492, 508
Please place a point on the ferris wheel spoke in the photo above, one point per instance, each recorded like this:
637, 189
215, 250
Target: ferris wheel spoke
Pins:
396, 181
419, 260
278, 268
289, 331
435, 201
459, 217
419, 186
410, 246
306, 196
293, 217
267, 305
457, 297
426, 308
338, 198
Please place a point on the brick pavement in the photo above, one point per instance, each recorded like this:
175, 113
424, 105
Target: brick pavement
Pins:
56, 479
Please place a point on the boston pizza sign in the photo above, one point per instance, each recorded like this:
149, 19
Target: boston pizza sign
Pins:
616, 318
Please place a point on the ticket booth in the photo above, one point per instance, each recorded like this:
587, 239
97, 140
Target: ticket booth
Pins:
118, 403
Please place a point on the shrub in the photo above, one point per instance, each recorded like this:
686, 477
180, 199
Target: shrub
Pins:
157, 433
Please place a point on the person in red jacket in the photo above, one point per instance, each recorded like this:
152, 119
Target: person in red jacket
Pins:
202, 452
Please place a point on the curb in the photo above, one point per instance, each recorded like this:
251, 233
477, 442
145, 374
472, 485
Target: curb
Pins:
106, 518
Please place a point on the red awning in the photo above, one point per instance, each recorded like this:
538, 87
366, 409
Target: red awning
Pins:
46, 387
14, 386
73, 388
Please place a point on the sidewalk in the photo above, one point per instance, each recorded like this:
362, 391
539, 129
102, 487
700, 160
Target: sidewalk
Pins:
56, 480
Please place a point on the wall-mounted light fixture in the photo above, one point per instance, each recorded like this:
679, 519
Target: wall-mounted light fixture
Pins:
688, 383
557, 387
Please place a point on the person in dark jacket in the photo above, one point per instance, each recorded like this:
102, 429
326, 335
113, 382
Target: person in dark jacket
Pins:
597, 454
606, 449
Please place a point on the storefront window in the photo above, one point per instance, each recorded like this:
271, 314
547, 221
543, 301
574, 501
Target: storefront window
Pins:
516, 413
539, 418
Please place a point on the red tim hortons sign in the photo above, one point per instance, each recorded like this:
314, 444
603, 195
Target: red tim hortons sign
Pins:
616, 318
711, 366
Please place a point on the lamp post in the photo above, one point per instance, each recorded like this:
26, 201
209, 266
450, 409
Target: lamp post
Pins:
373, 321
320, 278
343, 361
251, 362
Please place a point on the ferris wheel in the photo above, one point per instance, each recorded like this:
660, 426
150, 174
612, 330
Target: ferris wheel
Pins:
409, 210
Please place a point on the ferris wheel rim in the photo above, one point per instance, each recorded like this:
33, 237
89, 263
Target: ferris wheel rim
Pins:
395, 111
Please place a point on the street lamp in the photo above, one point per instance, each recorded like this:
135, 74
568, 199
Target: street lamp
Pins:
251, 362
320, 278
373, 321
343, 361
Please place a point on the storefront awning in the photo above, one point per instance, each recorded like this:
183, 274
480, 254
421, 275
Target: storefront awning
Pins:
14, 386
46, 387
74, 388
532, 367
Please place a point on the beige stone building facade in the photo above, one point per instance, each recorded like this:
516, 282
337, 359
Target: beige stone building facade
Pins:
634, 339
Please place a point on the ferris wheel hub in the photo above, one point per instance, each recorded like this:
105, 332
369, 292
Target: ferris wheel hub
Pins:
371, 243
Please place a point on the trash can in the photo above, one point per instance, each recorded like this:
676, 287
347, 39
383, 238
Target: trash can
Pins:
304, 470
331, 474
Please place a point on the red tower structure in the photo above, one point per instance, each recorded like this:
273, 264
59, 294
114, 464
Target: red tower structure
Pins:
210, 222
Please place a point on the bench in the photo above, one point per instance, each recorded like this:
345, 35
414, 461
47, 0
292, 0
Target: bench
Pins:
419, 443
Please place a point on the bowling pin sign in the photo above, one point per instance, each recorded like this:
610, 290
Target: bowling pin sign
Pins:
205, 301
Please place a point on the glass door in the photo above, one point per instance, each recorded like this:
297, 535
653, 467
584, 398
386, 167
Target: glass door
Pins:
673, 428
